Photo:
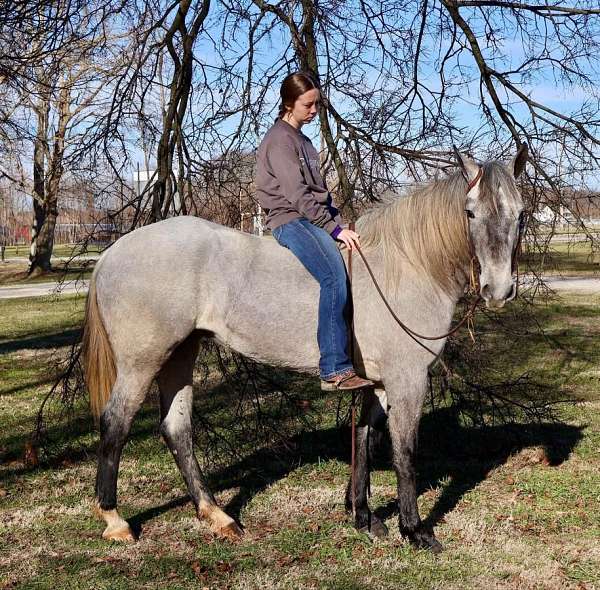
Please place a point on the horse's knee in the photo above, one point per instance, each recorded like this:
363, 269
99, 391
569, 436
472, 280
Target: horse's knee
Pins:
176, 426
177, 436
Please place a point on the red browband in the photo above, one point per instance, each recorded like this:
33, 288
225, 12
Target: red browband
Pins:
475, 180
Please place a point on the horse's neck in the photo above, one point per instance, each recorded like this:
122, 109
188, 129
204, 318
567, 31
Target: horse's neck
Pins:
416, 300
409, 276
431, 228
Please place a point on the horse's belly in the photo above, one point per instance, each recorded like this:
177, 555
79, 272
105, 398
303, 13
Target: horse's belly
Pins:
274, 324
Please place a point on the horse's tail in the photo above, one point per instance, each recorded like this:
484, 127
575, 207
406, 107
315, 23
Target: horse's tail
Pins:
98, 358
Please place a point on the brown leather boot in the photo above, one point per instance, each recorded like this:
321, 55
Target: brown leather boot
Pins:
344, 381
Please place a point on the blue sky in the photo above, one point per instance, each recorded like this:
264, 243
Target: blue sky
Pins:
541, 87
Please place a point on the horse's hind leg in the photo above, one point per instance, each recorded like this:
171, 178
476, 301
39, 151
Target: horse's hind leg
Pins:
128, 393
175, 383
370, 428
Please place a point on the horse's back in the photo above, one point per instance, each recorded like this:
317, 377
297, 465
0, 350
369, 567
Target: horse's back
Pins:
167, 279
171, 261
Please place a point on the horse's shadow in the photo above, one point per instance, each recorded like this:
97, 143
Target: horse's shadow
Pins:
448, 451
464, 456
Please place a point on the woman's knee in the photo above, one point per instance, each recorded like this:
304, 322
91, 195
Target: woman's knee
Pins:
337, 281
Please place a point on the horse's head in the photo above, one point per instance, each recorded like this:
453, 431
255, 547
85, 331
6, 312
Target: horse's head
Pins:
495, 216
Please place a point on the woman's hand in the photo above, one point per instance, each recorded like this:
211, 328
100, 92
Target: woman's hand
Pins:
350, 238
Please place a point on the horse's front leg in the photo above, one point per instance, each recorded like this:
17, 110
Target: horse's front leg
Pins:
405, 405
370, 428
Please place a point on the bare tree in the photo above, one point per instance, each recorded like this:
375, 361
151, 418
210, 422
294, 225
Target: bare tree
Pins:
402, 81
61, 105
54, 86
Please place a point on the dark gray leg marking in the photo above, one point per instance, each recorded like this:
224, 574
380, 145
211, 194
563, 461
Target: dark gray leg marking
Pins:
115, 423
403, 423
126, 398
368, 435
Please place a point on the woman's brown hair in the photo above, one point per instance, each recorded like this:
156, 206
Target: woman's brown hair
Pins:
292, 87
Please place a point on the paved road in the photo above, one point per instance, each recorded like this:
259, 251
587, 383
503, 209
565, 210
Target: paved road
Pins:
42, 289
574, 284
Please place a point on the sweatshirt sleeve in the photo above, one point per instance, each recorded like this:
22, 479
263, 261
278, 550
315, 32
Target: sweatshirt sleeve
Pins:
285, 163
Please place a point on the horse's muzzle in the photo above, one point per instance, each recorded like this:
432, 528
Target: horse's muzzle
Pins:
492, 300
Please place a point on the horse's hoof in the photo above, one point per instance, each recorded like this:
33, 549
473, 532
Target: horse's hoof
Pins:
231, 532
376, 530
122, 534
425, 540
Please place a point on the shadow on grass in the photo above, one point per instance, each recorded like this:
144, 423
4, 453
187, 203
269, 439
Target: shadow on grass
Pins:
464, 456
136, 522
64, 445
38, 342
448, 451
27, 385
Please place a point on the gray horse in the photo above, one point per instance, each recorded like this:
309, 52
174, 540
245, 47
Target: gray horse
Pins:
161, 288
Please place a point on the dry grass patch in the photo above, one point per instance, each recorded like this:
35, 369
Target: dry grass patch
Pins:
508, 516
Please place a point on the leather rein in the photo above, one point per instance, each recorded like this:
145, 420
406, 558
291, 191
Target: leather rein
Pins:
474, 280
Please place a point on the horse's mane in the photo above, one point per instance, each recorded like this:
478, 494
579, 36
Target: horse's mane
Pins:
427, 228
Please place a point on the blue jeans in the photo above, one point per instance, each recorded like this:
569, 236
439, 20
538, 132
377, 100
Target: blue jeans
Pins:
318, 252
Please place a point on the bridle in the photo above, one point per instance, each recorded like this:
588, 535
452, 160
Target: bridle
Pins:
474, 286
473, 279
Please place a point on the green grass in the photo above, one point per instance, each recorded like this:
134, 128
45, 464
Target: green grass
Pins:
516, 506
14, 273
576, 257
58, 250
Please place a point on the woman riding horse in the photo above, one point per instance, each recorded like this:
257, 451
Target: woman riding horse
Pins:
303, 218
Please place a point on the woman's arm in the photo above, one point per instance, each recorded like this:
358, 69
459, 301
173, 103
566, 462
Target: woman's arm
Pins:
285, 163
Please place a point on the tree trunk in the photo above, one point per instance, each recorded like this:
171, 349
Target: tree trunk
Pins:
42, 237
39, 256
165, 187
47, 182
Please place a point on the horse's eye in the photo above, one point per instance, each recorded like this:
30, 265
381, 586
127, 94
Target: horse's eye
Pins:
470, 214
522, 221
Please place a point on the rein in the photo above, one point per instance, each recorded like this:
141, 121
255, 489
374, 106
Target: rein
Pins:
409, 331
474, 282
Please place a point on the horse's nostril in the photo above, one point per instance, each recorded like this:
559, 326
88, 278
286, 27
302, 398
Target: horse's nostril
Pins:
510, 294
485, 290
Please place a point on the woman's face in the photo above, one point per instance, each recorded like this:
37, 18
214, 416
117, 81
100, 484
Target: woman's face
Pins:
305, 109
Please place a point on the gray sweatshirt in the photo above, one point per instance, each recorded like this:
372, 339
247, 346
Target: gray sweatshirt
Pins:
288, 181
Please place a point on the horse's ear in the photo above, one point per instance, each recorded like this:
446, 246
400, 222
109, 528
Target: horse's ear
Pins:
519, 161
468, 167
